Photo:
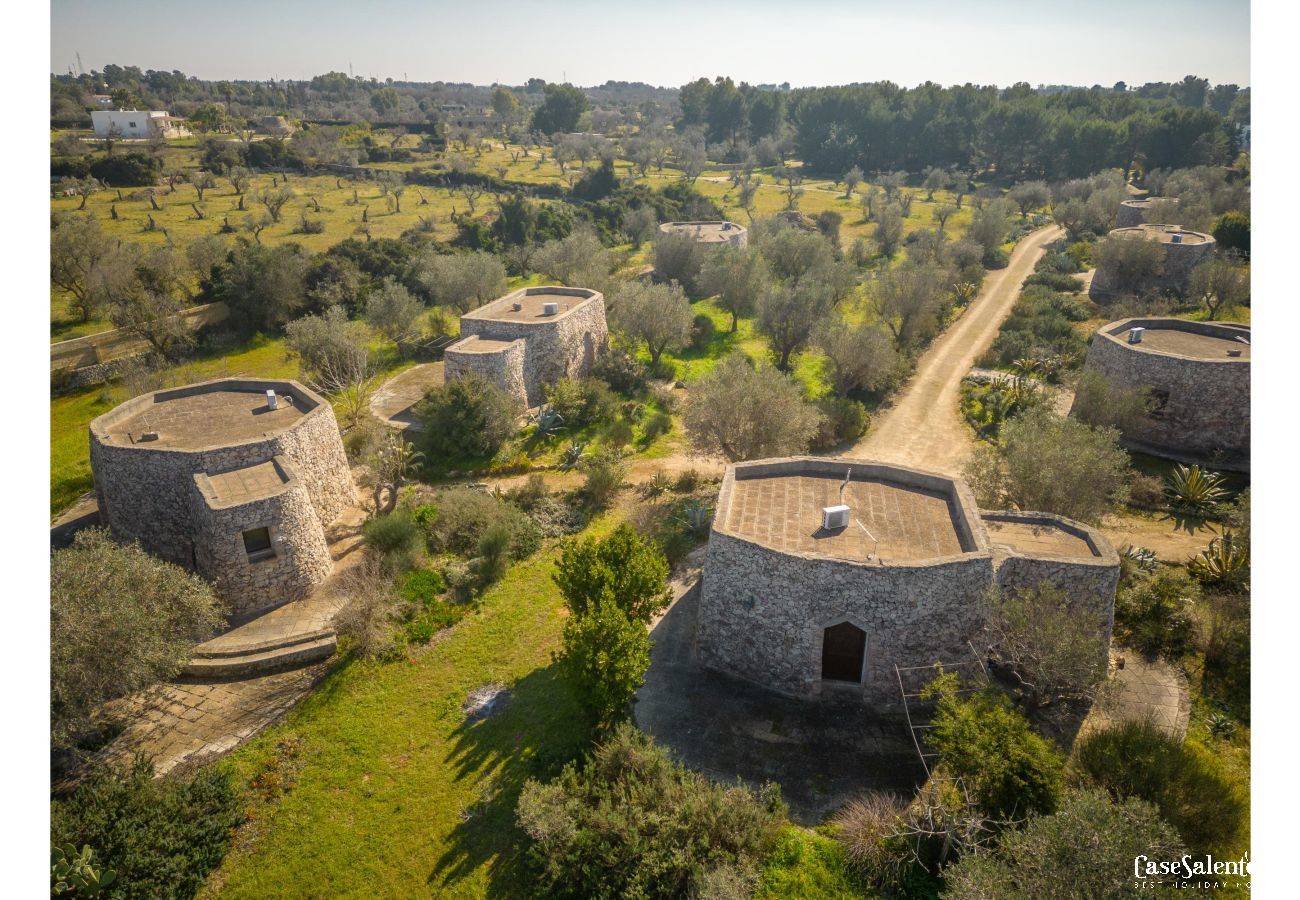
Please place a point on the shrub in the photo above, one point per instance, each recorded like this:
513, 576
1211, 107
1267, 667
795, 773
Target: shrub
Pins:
466, 515
421, 586
160, 836
1102, 405
604, 475
843, 420
1232, 232
1086, 849
396, 537
604, 659
622, 371
1155, 614
127, 169
493, 558
619, 434
469, 417
622, 568
1057, 281
368, 617
702, 331
869, 827
656, 426
987, 743
530, 494
688, 481
582, 402
1225, 564
1146, 491
120, 621
634, 823
1186, 782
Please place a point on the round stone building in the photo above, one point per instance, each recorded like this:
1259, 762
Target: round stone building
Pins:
1146, 209
531, 338
235, 479
1199, 377
1183, 250
713, 234
823, 575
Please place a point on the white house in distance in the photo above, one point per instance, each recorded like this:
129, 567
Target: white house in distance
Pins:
134, 123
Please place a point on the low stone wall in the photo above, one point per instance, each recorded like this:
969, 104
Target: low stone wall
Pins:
301, 557
1206, 416
503, 367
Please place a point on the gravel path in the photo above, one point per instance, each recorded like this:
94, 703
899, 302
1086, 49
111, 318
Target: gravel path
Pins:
924, 427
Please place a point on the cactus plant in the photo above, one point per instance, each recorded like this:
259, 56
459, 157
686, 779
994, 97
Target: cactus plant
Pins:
1194, 490
73, 872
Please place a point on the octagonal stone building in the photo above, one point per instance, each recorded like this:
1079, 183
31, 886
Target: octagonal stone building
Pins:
1140, 210
809, 611
235, 479
1199, 377
1183, 250
531, 338
712, 234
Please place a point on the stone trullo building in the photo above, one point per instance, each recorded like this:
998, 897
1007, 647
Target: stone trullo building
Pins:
1183, 250
822, 575
235, 479
1198, 374
712, 234
1141, 210
531, 338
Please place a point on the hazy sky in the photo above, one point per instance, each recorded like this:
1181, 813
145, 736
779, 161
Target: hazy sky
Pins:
667, 42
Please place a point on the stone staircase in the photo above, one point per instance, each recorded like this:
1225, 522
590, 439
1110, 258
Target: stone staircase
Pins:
220, 659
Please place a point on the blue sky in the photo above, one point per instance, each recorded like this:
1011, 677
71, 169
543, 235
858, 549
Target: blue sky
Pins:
667, 42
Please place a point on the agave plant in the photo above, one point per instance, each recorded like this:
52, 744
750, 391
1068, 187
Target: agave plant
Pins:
658, 483
695, 516
1194, 490
571, 458
1221, 726
548, 421
1225, 563
1141, 557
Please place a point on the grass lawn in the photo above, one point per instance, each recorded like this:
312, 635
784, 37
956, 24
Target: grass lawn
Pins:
392, 792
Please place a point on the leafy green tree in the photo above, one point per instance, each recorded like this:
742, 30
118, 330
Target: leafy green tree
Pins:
1085, 849
604, 658
561, 109
1232, 232
1133, 263
657, 315
394, 312
1047, 463
624, 569
385, 101
789, 314
678, 257
120, 621
264, 287
987, 743
85, 263
737, 276
1219, 285
460, 281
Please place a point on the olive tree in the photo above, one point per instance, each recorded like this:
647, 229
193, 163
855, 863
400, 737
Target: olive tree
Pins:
1029, 195
1048, 463
394, 312
737, 276
1219, 285
678, 257
742, 411
789, 314
889, 230
85, 263
859, 357
120, 621
1134, 263
909, 300
461, 281
657, 315
334, 357
852, 178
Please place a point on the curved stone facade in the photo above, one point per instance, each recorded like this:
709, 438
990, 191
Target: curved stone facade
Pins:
1184, 250
713, 234
562, 344
184, 472
768, 607
1146, 209
1202, 392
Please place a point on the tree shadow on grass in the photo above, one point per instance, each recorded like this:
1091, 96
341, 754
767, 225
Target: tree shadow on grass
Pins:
536, 731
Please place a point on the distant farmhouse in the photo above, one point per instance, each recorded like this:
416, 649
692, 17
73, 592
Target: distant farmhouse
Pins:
137, 124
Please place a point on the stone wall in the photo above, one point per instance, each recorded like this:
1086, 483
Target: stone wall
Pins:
504, 367
1207, 414
1179, 261
149, 494
564, 348
301, 557
1147, 209
763, 613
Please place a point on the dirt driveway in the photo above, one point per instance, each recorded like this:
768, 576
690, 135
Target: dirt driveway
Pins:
924, 427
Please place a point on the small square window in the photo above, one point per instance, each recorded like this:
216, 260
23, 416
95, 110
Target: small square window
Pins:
257, 544
130, 124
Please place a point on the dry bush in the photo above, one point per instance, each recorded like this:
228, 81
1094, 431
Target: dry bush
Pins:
369, 616
868, 827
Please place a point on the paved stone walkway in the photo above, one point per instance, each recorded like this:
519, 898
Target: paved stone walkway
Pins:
393, 402
1143, 690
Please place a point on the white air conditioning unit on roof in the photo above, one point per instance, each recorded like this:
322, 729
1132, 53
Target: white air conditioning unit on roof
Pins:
835, 517
550, 309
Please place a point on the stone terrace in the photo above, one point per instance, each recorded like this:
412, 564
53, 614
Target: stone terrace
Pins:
1170, 339
785, 513
193, 421
248, 483
1037, 538
530, 301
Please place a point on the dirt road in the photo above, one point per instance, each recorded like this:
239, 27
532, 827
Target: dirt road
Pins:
924, 427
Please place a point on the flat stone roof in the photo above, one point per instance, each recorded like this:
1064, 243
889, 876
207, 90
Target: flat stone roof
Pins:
476, 344
1164, 234
189, 419
531, 301
896, 514
705, 232
249, 483
1040, 538
1192, 340
1148, 201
